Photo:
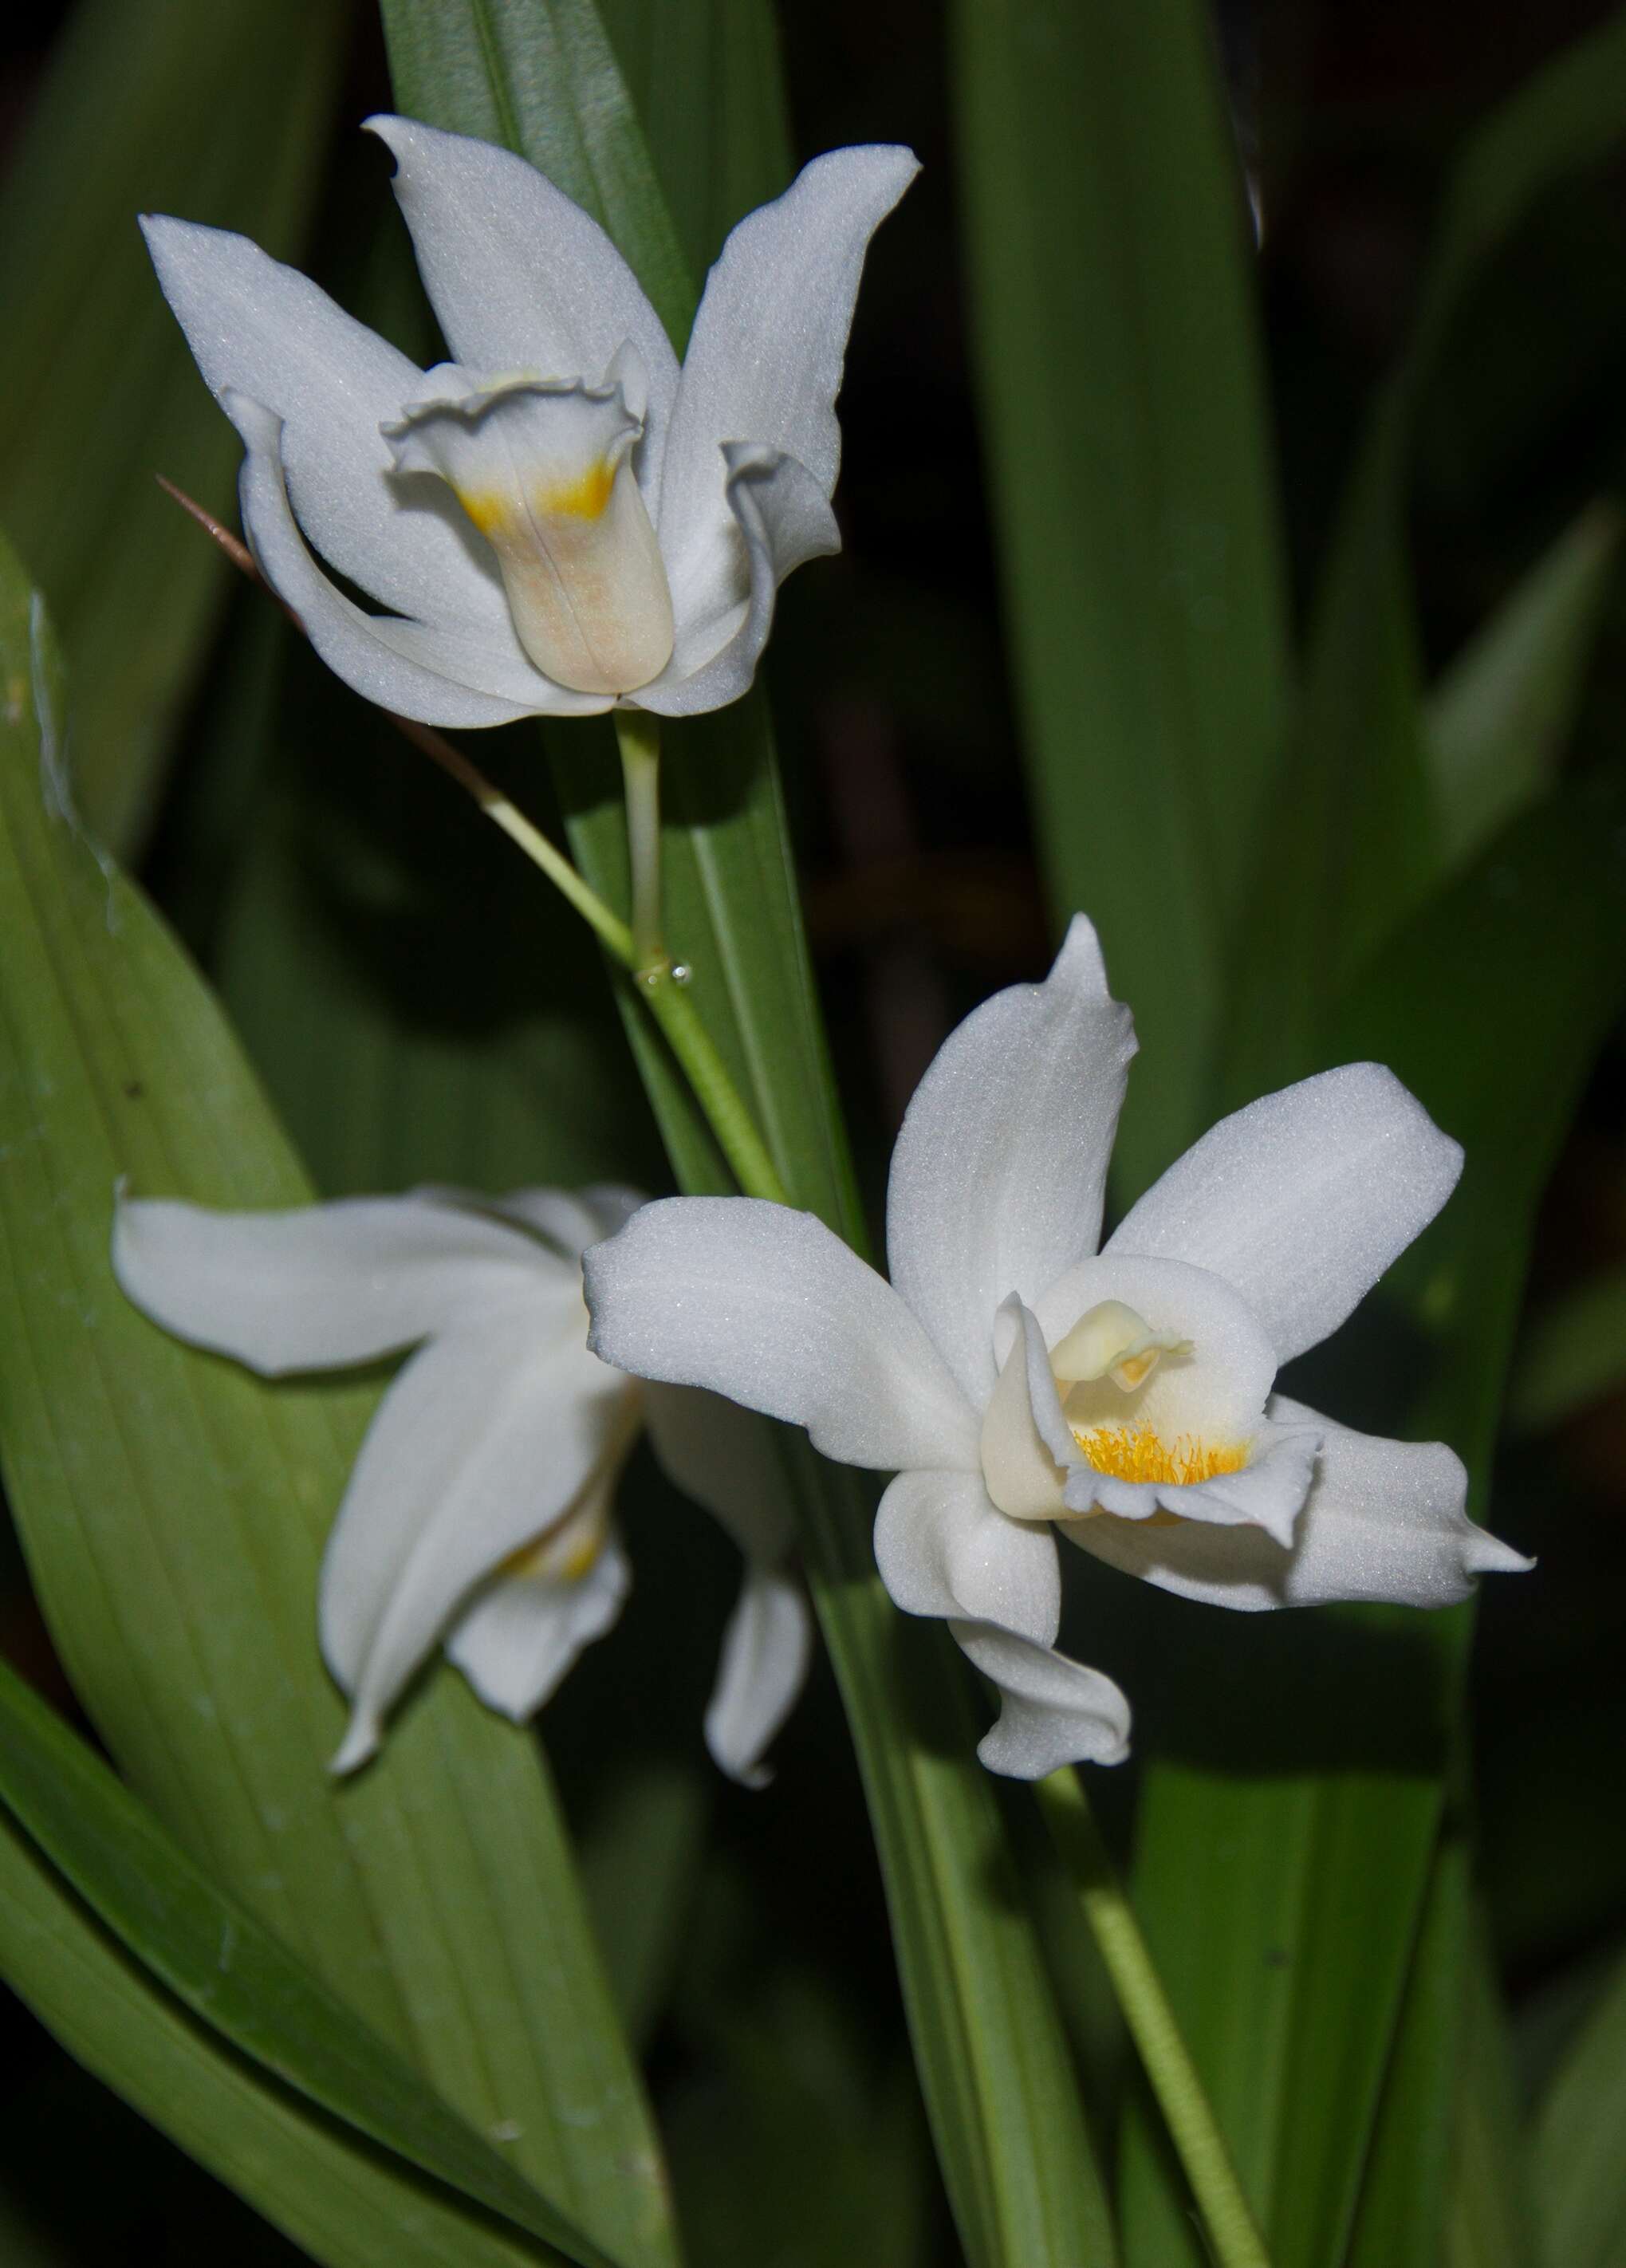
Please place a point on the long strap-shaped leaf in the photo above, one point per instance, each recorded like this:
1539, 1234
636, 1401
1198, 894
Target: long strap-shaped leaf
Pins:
173, 1511
1355, 840
1288, 1955
1124, 427
1010, 2132
177, 106
233, 1974
343, 2201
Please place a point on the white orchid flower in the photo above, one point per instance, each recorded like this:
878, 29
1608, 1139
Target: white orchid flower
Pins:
559, 520
480, 1509
1022, 1384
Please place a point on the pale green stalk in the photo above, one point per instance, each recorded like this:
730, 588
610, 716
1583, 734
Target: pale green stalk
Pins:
1235, 2241
638, 736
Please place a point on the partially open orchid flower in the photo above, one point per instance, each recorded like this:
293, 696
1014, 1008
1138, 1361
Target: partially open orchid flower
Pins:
1021, 1384
480, 1507
559, 520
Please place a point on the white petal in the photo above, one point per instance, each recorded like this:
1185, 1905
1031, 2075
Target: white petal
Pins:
263, 330
1026, 1447
725, 1458
457, 674
998, 1173
1303, 1200
764, 361
1385, 1520
524, 1631
323, 1285
565, 1219
782, 520
1268, 1493
483, 1442
543, 472
1214, 1392
764, 1662
768, 1307
522, 280
1052, 1711
943, 1549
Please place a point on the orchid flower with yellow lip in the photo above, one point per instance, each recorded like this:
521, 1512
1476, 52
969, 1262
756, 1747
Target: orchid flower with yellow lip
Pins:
481, 1508
561, 519
1023, 1385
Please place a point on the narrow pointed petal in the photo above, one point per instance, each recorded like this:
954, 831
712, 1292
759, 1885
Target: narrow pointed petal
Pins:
723, 1457
721, 626
524, 1631
456, 674
1303, 1200
264, 331
1028, 1450
324, 1286
999, 1172
944, 1549
521, 279
485, 1440
763, 1665
768, 1307
1052, 1711
764, 361
1384, 1520
543, 472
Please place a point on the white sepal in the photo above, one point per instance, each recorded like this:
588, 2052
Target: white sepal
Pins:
769, 1307
521, 279
1052, 1711
943, 1549
999, 1172
320, 1286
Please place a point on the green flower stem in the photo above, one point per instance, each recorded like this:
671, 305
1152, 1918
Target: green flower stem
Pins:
660, 990
727, 1115
638, 735
1235, 2241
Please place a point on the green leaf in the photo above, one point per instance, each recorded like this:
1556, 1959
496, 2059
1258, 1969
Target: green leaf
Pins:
1579, 2143
1000, 2088
1357, 838
641, 1849
347, 2205
173, 1511
1488, 2218
218, 114
231, 1973
1402, 2217
1133, 493
539, 77
1499, 719
1573, 1353
1287, 1954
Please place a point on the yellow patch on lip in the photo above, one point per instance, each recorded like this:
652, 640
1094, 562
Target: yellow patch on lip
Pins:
1134, 1452
544, 1556
585, 497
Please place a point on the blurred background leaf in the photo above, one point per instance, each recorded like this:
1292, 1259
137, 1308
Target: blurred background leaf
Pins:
173, 1511
168, 106
215, 1958
1133, 493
